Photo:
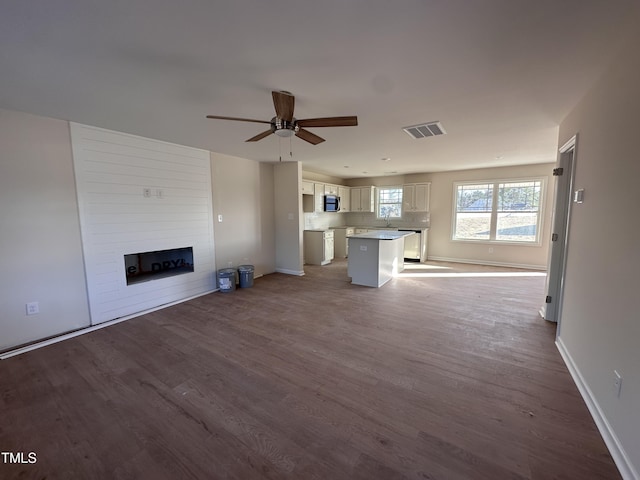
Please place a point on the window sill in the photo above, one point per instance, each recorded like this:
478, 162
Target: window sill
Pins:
498, 242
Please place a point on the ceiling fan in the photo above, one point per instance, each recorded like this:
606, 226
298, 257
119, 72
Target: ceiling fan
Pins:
284, 124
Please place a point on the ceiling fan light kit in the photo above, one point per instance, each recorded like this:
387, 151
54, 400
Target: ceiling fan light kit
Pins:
285, 125
282, 128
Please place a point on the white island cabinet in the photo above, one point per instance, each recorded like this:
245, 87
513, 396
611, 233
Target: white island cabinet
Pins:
376, 257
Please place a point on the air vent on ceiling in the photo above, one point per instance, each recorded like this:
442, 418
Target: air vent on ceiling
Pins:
425, 130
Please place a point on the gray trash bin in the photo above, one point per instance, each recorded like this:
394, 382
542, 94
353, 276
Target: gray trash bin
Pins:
246, 276
227, 279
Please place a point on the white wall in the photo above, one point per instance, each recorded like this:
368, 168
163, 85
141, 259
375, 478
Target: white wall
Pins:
600, 322
243, 195
289, 220
41, 253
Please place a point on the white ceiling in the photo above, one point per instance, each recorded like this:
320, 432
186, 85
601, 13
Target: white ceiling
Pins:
499, 74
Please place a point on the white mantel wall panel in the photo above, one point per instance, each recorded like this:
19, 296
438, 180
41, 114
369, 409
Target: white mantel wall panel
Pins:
116, 218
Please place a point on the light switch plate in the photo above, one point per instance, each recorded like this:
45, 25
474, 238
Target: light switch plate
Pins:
33, 308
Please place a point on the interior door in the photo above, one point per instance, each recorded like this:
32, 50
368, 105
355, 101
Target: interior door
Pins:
564, 175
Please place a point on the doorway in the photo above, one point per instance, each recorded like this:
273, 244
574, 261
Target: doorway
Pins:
564, 177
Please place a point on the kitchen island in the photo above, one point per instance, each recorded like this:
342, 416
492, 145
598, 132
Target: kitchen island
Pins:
375, 257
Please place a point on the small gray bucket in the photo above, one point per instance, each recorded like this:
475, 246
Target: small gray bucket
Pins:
227, 279
246, 276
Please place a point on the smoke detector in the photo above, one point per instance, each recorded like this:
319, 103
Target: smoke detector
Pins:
423, 130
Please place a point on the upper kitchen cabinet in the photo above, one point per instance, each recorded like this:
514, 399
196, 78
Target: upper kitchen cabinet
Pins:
415, 197
330, 189
307, 188
345, 199
362, 199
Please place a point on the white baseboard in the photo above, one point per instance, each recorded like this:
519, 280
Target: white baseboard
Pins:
626, 468
299, 273
93, 328
487, 262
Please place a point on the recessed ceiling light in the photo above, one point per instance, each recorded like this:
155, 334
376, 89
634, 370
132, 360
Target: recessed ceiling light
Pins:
386, 159
346, 166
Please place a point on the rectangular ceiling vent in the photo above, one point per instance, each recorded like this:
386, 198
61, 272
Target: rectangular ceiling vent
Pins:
423, 130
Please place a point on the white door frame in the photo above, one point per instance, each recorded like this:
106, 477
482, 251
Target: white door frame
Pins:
551, 310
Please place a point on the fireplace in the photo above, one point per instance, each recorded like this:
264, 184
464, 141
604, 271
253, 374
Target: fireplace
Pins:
145, 266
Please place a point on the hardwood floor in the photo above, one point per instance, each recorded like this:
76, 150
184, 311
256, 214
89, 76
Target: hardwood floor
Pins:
446, 372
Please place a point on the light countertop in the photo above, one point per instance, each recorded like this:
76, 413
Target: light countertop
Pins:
382, 235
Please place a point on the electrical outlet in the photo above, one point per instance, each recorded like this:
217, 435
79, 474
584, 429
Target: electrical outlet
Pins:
33, 308
146, 192
617, 384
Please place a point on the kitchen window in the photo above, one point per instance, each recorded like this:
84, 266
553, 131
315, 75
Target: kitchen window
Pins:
498, 211
389, 202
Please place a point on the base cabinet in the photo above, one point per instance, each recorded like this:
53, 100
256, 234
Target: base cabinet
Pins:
341, 241
318, 246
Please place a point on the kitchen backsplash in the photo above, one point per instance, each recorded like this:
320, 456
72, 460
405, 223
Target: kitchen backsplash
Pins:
321, 221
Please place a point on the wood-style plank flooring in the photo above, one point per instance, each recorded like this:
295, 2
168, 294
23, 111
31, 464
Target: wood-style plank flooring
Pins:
447, 372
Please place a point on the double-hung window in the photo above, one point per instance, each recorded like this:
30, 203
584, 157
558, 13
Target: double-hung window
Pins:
389, 202
498, 211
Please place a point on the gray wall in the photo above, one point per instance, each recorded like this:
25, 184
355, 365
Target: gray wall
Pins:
441, 212
243, 195
289, 220
600, 322
41, 253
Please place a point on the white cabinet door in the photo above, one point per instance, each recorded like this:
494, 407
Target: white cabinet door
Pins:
408, 192
415, 197
355, 199
330, 189
318, 197
362, 199
328, 248
307, 188
345, 199
366, 199
421, 197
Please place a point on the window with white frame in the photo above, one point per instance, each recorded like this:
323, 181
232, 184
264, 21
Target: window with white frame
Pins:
498, 211
389, 202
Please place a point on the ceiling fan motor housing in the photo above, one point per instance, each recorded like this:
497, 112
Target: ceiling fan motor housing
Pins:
283, 128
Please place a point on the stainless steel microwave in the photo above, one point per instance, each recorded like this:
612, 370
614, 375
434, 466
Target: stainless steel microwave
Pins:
331, 203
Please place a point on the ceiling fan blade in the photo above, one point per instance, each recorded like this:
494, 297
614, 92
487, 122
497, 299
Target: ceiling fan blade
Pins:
309, 137
283, 103
329, 122
238, 119
260, 136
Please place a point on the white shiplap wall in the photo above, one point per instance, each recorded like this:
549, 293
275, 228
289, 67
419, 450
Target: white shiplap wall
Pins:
113, 170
